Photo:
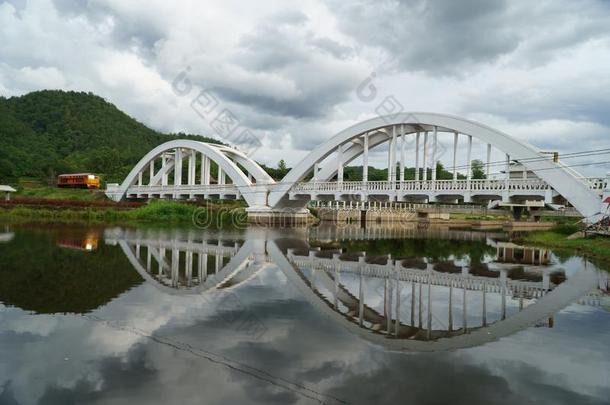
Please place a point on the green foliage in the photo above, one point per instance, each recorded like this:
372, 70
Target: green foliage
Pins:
48, 132
159, 212
477, 169
38, 276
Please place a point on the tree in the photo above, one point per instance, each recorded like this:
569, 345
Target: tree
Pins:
477, 169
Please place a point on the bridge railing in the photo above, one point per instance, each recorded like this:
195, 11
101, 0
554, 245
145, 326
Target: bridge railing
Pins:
421, 185
596, 183
145, 189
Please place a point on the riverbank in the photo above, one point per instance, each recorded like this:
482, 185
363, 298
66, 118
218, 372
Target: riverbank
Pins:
597, 247
158, 212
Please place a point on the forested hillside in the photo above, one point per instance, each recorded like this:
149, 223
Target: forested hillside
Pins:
49, 132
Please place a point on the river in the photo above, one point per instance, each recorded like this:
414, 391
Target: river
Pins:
124, 315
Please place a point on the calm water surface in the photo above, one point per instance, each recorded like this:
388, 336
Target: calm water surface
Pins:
319, 315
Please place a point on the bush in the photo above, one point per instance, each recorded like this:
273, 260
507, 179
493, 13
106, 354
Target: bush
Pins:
566, 229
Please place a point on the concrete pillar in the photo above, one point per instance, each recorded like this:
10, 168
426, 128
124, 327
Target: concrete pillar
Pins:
140, 179
455, 146
365, 159
507, 176
402, 152
221, 176
434, 146
488, 164
151, 170
163, 165
340, 165
191, 169
178, 167
393, 154
425, 162
469, 163
417, 156
206, 173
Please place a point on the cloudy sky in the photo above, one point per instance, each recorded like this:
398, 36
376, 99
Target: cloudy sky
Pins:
291, 73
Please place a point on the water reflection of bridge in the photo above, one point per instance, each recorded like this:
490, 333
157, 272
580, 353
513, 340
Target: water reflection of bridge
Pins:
410, 230
412, 304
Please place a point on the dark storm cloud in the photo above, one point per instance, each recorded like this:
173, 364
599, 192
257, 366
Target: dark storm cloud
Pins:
316, 67
451, 37
312, 105
119, 376
451, 381
137, 34
435, 36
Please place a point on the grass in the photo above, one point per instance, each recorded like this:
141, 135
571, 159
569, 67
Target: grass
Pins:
165, 212
475, 217
56, 193
597, 247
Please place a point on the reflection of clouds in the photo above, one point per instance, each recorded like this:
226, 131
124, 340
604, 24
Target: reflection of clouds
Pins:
66, 358
572, 355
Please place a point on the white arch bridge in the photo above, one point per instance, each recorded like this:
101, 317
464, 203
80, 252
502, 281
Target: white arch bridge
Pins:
319, 176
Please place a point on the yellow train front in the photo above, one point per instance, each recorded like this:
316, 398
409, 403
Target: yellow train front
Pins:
78, 180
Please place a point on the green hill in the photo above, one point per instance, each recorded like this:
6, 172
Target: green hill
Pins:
49, 132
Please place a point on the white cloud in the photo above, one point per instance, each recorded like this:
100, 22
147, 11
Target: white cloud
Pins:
290, 73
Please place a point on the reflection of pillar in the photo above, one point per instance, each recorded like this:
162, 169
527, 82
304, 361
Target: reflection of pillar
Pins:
336, 286
412, 304
546, 282
389, 295
361, 293
217, 262
520, 303
175, 268
429, 326
484, 306
450, 306
148, 259
189, 267
202, 267
397, 309
419, 307
503, 281
161, 259
464, 311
